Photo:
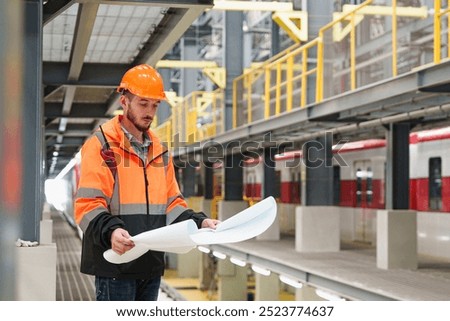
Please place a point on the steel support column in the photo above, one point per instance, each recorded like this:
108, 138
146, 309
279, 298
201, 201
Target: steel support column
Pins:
164, 109
189, 181
233, 177
397, 166
275, 37
233, 59
33, 169
209, 181
269, 186
11, 142
318, 157
189, 51
320, 12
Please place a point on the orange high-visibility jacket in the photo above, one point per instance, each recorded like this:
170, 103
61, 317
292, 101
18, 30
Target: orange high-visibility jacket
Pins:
138, 197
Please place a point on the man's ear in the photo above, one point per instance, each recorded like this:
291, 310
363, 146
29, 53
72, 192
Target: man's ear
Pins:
123, 101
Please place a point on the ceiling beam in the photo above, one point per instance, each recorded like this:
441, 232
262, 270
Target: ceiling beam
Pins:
79, 110
53, 8
92, 74
156, 3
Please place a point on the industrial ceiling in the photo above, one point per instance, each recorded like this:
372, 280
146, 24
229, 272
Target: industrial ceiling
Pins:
87, 46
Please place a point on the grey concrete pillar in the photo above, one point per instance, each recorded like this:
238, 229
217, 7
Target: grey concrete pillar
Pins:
267, 288
317, 229
232, 284
307, 293
396, 239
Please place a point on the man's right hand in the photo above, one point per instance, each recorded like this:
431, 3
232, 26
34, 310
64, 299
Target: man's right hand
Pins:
120, 241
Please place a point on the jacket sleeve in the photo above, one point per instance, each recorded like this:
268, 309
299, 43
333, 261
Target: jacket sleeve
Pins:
93, 196
177, 210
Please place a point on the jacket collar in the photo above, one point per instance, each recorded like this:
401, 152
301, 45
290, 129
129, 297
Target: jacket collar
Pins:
115, 133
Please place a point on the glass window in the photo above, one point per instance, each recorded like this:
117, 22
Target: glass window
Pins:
435, 183
369, 186
358, 186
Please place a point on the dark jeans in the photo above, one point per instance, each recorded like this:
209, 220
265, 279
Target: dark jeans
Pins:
112, 289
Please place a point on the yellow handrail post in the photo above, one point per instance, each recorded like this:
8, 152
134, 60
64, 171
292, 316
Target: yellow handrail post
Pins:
394, 38
437, 32
289, 71
267, 94
249, 97
304, 77
319, 71
448, 30
278, 90
353, 53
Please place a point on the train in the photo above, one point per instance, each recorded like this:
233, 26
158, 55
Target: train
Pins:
359, 188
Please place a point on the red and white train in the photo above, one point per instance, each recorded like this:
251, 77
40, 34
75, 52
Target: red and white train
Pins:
360, 188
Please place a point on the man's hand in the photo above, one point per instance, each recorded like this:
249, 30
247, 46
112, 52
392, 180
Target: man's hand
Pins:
210, 223
120, 241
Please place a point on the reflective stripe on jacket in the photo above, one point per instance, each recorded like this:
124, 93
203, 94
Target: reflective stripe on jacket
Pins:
139, 198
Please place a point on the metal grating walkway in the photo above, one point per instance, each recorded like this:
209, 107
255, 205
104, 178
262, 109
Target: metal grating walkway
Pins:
71, 284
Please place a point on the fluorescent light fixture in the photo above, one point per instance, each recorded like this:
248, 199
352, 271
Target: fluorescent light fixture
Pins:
260, 270
219, 255
252, 6
203, 249
238, 262
328, 296
294, 283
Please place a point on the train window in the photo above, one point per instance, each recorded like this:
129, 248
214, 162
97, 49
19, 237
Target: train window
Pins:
336, 184
369, 186
435, 183
358, 186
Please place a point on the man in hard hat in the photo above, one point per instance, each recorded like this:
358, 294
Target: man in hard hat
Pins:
128, 186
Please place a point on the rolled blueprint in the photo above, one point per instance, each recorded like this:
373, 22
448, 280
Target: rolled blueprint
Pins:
184, 236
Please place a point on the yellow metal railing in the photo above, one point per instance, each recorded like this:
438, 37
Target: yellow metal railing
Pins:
439, 14
196, 117
362, 45
321, 48
342, 58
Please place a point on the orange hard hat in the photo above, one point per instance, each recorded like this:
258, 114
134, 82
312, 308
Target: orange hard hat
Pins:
143, 81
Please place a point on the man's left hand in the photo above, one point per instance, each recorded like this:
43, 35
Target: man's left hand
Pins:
210, 223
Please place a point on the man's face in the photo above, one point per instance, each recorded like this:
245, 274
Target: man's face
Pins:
139, 111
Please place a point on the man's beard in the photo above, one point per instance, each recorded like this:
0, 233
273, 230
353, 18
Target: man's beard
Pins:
132, 118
